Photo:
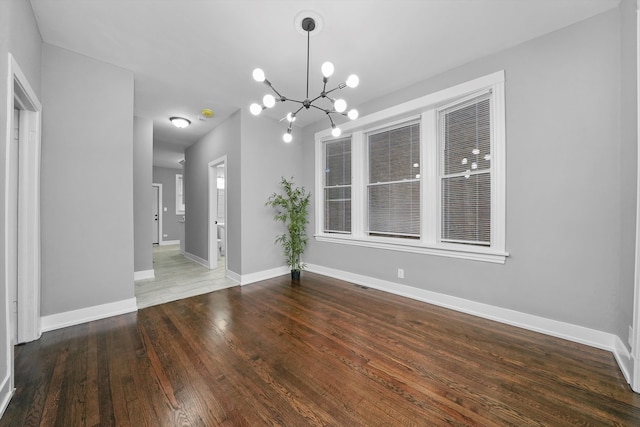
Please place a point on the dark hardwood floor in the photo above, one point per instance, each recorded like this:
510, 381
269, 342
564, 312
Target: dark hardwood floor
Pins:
321, 352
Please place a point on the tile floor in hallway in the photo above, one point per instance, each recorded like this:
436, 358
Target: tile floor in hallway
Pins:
177, 277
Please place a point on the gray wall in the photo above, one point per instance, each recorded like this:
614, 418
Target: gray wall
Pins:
225, 139
563, 186
628, 165
19, 36
142, 194
265, 160
167, 177
87, 182
256, 160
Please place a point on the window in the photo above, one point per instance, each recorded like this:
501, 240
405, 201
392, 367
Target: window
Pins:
337, 186
179, 195
465, 172
393, 191
426, 176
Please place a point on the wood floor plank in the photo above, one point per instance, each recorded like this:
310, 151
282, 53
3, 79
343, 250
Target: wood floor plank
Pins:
316, 353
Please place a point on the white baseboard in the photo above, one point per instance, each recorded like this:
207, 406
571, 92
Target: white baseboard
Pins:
246, 279
196, 258
568, 331
76, 317
144, 274
233, 276
623, 357
6, 392
169, 242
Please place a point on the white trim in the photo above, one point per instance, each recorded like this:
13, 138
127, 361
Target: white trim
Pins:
635, 345
169, 242
142, 275
160, 209
179, 178
203, 262
474, 254
418, 104
28, 257
246, 279
212, 199
233, 275
623, 358
7, 391
29, 200
568, 331
88, 314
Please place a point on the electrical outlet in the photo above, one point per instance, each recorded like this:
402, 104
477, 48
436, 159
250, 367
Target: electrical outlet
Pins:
401, 273
630, 339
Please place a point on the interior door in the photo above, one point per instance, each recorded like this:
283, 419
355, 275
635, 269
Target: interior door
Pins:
156, 212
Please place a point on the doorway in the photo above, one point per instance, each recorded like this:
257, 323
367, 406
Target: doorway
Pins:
217, 214
22, 243
157, 213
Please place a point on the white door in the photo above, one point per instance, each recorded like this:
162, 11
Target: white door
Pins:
12, 219
156, 213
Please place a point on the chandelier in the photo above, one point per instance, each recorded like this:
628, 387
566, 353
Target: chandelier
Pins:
338, 106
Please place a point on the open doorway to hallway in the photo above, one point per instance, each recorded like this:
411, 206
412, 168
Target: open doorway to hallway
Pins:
177, 277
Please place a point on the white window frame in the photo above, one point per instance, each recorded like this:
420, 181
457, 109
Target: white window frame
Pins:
426, 109
325, 187
180, 208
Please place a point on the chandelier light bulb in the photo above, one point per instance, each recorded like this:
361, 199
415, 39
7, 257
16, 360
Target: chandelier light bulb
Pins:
291, 117
255, 109
340, 105
268, 100
327, 69
287, 137
258, 75
353, 81
336, 131
353, 114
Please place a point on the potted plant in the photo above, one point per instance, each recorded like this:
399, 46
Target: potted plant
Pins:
292, 212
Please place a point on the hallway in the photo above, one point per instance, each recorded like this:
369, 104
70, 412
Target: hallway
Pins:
178, 277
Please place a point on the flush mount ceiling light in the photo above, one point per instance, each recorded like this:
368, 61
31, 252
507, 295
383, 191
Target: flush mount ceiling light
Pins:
180, 122
338, 106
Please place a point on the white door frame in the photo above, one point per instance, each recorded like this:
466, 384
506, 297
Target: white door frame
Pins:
160, 209
213, 254
22, 96
635, 345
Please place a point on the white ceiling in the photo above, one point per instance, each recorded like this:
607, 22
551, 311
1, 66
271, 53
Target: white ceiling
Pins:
193, 54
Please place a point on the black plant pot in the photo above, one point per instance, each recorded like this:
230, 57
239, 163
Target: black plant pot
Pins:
295, 274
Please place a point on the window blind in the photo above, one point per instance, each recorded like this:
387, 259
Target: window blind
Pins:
394, 182
337, 186
465, 172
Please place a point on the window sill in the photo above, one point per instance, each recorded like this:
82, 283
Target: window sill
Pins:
451, 251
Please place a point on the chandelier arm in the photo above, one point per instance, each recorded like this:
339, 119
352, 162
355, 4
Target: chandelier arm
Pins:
340, 86
316, 98
295, 100
322, 109
330, 119
282, 98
